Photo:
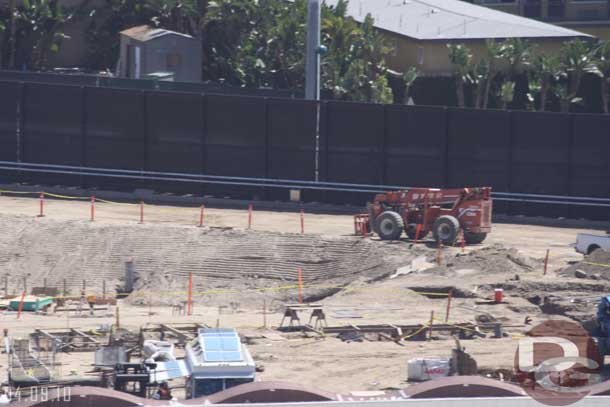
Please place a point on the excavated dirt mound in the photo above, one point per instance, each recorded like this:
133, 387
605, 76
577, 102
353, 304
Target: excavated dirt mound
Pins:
164, 255
595, 266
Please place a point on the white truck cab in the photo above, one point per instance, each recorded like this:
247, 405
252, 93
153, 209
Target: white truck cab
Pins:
587, 243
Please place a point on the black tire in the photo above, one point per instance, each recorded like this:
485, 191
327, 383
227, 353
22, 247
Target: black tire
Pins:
389, 225
412, 231
474, 238
592, 248
446, 229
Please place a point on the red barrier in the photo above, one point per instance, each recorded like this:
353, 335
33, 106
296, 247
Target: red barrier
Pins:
249, 216
364, 231
41, 214
201, 216
302, 220
92, 208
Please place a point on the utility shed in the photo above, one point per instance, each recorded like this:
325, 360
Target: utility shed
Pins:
217, 360
147, 50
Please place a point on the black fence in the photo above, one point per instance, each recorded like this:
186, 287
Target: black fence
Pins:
82, 79
523, 152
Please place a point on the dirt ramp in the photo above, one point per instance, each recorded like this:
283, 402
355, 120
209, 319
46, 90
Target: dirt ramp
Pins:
164, 256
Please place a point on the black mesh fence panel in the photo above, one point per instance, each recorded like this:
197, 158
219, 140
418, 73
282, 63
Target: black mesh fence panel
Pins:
590, 163
352, 138
236, 142
540, 160
53, 130
291, 135
9, 145
174, 142
415, 146
116, 136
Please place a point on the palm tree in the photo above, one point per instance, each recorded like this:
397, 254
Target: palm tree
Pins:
461, 57
507, 93
495, 53
518, 53
577, 58
409, 78
545, 73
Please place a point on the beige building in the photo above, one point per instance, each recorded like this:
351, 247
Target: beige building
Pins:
588, 16
419, 30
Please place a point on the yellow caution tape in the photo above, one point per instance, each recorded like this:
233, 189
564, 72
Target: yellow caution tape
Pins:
3, 191
596, 264
65, 196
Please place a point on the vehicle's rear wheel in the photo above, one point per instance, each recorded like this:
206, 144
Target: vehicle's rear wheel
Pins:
446, 229
412, 231
389, 225
474, 238
592, 248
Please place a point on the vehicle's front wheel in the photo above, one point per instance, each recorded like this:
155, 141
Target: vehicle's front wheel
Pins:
446, 229
474, 238
389, 225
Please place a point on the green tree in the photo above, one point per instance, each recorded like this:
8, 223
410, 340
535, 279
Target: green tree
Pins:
507, 93
461, 58
519, 55
409, 78
577, 57
38, 30
495, 54
543, 78
177, 15
602, 62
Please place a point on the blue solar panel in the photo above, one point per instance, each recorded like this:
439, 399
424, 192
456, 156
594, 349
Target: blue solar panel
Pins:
223, 356
221, 345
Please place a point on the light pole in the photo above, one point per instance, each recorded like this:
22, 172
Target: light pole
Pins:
312, 59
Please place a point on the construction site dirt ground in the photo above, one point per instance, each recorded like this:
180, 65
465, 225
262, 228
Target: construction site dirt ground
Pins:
236, 271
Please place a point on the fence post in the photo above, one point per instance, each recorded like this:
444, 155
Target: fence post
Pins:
201, 216
141, 212
302, 221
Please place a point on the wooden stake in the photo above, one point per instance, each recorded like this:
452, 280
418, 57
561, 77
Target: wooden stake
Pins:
41, 214
117, 322
300, 282
430, 326
201, 216
546, 261
449, 296
302, 221
189, 299
20, 305
141, 212
249, 216
92, 208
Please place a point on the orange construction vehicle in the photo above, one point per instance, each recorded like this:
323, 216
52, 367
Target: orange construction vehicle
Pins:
445, 212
